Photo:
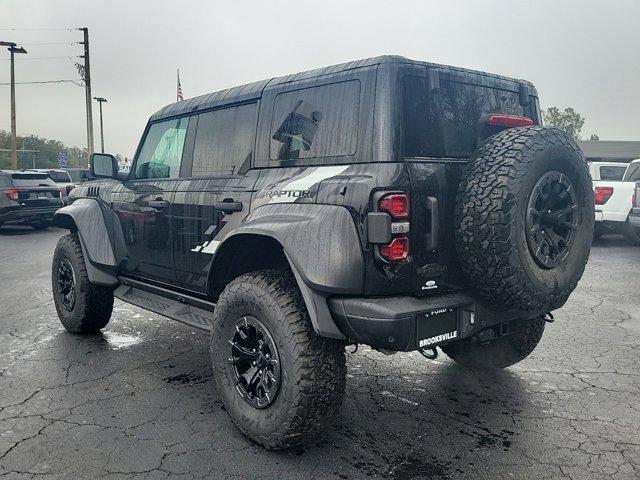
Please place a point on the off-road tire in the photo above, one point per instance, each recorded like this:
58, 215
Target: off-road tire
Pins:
501, 352
491, 210
93, 303
313, 368
632, 234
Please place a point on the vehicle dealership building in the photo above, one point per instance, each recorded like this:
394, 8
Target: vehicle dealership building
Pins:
610, 151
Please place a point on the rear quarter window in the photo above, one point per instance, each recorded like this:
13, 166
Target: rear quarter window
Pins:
316, 122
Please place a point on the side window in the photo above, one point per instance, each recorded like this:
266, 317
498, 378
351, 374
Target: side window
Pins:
5, 181
224, 140
161, 153
316, 122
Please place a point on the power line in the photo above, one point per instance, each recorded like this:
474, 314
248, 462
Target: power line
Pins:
44, 58
40, 28
45, 81
48, 43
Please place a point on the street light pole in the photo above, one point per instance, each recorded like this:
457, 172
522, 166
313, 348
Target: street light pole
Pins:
100, 101
13, 49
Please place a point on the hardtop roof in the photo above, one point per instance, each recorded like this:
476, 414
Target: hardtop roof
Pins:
252, 91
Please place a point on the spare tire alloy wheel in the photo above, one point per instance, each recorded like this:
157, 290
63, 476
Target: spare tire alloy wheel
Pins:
67, 284
525, 218
551, 219
255, 362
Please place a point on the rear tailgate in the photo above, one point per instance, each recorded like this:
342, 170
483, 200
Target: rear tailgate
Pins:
35, 190
613, 200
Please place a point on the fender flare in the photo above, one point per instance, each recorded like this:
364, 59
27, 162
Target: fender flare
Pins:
87, 217
323, 249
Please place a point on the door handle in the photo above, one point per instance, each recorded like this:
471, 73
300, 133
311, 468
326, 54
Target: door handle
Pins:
158, 203
229, 206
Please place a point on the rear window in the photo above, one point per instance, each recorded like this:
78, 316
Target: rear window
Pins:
445, 123
316, 122
32, 180
613, 173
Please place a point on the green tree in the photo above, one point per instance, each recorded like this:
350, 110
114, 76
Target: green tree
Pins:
46, 155
568, 120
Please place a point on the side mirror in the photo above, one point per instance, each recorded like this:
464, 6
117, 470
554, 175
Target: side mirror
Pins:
103, 165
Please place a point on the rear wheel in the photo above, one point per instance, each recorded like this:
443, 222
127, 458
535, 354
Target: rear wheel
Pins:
279, 381
501, 352
83, 307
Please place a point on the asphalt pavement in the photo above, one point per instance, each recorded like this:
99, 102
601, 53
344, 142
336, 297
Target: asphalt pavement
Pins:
138, 401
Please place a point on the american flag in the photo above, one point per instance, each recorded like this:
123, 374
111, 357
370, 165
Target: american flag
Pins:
179, 90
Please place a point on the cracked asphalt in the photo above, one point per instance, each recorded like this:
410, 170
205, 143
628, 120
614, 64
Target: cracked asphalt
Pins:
138, 401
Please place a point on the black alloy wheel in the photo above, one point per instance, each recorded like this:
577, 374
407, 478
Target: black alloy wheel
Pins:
255, 362
551, 219
67, 284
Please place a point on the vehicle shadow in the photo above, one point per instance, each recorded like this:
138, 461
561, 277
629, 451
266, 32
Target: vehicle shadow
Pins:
402, 417
14, 230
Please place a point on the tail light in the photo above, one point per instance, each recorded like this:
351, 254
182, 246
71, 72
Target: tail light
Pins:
397, 250
395, 204
602, 194
509, 121
11, 193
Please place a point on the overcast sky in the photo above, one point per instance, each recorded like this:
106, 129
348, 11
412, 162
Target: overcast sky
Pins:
584, 54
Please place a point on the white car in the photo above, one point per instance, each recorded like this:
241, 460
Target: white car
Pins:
61, 178
613, 189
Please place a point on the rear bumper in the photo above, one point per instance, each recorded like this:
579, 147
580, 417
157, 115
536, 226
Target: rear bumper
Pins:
27, 215
634, 217
604, 216
405, 323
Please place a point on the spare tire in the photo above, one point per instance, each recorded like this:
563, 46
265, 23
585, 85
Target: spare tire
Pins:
524, 218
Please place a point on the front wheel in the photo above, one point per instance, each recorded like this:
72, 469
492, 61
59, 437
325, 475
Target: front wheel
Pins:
279, 381
82, 306
501, 352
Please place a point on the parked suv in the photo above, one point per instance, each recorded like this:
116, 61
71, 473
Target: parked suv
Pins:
389, 202
60, 177
28, 198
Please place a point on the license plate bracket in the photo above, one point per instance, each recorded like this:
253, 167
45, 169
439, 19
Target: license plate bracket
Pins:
437, 326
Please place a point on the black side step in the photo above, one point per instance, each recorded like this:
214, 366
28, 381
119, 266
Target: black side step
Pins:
183, 308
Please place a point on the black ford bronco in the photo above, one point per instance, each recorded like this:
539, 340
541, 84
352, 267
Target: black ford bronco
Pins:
389, 202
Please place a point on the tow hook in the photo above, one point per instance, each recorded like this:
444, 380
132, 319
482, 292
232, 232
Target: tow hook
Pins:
430, 353
548, 317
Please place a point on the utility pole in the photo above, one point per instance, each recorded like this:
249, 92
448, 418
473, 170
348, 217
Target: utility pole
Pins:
87, 88
100, 101
13, 49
